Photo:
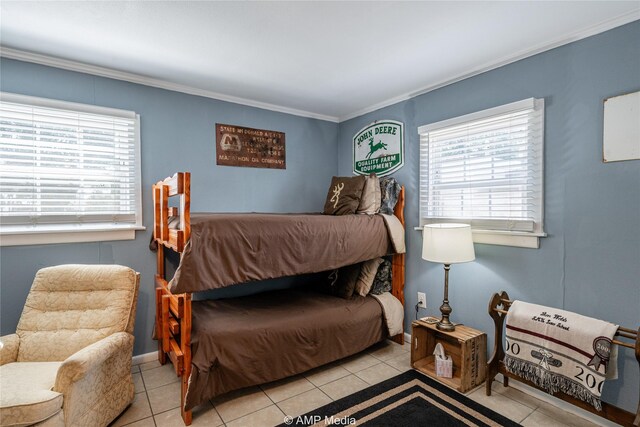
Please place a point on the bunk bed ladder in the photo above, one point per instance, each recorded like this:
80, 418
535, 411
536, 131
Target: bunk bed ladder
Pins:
173, 312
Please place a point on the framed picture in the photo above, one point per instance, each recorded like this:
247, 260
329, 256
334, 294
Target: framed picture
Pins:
250, 148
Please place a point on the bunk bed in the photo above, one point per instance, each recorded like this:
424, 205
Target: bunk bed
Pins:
217, 346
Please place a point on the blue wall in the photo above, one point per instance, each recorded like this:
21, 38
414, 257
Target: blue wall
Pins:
178, 134
590, 262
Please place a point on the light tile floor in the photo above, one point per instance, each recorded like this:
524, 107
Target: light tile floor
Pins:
157, 397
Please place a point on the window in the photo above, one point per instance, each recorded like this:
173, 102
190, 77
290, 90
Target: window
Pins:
68, 172
486, 169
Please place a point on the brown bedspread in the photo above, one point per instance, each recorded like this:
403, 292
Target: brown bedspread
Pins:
227, 249
255, 339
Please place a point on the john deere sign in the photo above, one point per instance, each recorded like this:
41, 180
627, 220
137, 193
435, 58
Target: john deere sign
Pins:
379, 148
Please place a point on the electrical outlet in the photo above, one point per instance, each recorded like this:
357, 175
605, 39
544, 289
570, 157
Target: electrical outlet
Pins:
422, 300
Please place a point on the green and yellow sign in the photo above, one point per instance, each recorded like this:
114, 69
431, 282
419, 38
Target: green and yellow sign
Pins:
379, 148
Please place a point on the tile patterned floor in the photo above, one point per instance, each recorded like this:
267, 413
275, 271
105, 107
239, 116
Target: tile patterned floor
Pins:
157, 397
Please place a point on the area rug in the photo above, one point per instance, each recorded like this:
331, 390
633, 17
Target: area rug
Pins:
410, 399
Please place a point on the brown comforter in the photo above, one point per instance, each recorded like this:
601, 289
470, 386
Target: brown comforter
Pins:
255, 339
227, 249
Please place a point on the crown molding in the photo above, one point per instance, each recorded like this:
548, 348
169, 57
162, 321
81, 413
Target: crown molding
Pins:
525, 53
66, 64
81, 67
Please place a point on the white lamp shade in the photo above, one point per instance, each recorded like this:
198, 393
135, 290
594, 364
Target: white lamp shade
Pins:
447, 243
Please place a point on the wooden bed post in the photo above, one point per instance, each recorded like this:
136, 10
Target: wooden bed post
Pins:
185, 207
173, 312
398, 266
160, 272
185, 344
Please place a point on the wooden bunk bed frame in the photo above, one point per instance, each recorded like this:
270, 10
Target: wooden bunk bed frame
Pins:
173, 311
498, 309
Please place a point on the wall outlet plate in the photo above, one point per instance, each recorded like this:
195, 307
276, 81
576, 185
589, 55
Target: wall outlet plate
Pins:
422, 300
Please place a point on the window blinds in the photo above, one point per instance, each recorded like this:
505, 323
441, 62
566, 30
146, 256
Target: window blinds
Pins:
485, 169
64, 163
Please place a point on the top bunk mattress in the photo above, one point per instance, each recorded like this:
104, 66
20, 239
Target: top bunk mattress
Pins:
227, 249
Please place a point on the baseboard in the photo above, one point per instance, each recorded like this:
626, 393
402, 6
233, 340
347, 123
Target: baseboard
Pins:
144, 358
560, 404
407, 338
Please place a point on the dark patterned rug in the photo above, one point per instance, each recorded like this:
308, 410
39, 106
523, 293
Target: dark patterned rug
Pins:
410, 399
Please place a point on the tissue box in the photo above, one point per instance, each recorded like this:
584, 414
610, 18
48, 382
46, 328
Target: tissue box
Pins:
444, 367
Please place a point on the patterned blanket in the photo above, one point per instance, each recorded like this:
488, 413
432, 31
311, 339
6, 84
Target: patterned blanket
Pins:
559, 350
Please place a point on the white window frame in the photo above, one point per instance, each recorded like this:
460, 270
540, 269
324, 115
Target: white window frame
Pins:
17, 235
526, 239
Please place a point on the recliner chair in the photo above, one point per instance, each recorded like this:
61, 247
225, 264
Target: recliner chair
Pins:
69, 362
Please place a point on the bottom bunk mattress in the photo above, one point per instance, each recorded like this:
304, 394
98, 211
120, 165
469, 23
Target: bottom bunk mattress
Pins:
240, 342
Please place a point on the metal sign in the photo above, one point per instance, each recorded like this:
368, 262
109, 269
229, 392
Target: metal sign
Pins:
379, 148
247, 147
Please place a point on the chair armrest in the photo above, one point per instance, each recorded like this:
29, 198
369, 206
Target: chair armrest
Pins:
96, 381
9, 348
82, 362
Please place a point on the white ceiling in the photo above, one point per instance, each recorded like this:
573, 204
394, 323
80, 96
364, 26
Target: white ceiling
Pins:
333, 60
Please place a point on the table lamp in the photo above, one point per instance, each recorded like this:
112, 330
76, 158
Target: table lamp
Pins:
447, 244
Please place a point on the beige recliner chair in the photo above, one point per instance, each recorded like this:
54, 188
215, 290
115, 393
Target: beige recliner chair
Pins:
69, 362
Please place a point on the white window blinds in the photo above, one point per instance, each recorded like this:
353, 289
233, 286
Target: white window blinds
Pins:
485, 168
66, 163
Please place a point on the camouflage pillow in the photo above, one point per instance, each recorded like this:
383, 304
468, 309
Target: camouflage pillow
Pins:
390, 190
382, 281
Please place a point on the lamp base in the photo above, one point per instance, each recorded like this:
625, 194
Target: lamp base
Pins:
445, 324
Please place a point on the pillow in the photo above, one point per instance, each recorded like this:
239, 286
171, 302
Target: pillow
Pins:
382, 281
371, 196
367, 274
390, 190
345, 283
344, 195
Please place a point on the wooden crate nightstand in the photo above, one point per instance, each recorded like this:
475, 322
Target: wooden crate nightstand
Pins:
466, 346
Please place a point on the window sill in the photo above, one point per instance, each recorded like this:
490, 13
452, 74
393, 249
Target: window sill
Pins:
517, 239
22, 236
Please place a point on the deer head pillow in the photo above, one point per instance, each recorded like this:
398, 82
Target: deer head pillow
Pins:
344, 195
